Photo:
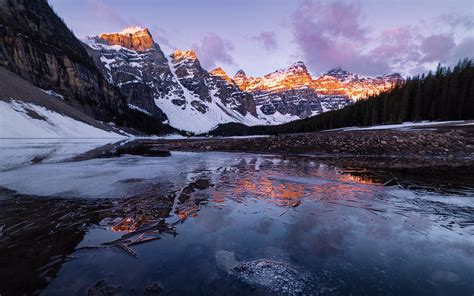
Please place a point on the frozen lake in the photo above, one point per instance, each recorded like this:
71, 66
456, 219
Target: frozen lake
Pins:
227, 224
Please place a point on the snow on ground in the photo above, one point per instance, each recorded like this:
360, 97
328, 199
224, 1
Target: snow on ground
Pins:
166, 137
27, 120
131, 30
52, 93
247, 137
276, 118
404, 125
136, 108
186, 117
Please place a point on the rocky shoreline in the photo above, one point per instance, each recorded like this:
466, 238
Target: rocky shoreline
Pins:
450, 146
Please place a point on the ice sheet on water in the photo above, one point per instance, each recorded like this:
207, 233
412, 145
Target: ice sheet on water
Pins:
107, 177
454, 200
279, 277
20, 152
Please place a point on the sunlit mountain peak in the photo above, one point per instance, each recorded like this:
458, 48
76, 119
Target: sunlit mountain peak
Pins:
184, 54
133, 37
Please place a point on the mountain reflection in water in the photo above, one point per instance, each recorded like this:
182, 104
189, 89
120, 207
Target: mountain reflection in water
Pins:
222, 223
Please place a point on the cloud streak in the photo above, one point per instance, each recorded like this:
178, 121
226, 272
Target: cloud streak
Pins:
267, 40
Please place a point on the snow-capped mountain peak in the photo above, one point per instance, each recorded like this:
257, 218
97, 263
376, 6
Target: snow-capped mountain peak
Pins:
298, 68
176, 89
341, 74
240, 73
132, 30
134, 38
292, 77
179, 55
341, 82
219, 72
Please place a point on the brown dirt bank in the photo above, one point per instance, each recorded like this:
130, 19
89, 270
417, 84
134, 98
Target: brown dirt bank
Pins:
450, 146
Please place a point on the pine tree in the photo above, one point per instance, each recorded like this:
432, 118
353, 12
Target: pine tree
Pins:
445, 95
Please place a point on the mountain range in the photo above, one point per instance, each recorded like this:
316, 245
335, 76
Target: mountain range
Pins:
124, 81
177, 90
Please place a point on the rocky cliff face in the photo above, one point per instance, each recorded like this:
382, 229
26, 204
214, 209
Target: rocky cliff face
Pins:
134, 38
208, 85
36, 45
341, 82
182, 89
226, 89
288, 94
292, 93
191, 75
129, 74
294, 77
140, 74
174, 88
335, 82
219, 72
293, 104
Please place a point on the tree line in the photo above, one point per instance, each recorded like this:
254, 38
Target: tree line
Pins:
446, 94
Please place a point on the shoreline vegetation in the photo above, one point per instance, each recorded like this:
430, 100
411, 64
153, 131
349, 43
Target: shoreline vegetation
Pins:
446, 94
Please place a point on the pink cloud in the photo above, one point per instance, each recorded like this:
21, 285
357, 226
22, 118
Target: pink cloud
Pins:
437, 48
338, 19
212, 50
396, 47
331, 34
267, 40
393, 42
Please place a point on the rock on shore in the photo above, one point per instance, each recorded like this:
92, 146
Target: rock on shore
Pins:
441, 146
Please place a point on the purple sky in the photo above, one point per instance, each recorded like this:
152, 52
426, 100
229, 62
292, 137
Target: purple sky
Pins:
368, 36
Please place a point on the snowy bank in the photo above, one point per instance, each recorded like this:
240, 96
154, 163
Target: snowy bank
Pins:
27, 120
404, 125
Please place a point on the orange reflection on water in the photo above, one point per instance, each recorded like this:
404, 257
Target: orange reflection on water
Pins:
130, 224
356, 179
334, 187
187, 210
285, 194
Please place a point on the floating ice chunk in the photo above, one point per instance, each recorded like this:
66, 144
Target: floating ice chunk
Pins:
278, 277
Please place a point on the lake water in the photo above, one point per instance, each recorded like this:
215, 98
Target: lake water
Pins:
227, 224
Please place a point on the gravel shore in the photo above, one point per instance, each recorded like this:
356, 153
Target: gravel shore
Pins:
450, 146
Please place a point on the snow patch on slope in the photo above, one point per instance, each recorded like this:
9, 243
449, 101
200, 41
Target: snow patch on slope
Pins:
186, 117
276, 118
136, 108
53, 94
27, 120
